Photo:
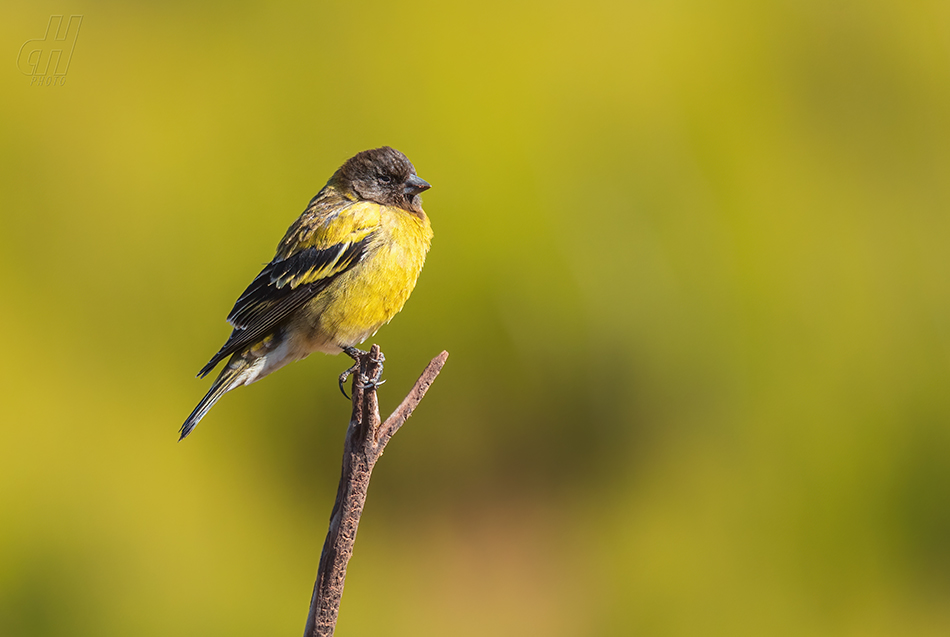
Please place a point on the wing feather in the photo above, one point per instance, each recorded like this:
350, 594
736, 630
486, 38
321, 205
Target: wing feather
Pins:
316, 250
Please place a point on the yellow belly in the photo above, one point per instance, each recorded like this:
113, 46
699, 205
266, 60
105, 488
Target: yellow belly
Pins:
361, 300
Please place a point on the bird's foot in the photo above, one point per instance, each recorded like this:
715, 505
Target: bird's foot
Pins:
352, 370
376, 382
354, 353
364, 383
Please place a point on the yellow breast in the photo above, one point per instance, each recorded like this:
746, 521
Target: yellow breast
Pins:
370, 294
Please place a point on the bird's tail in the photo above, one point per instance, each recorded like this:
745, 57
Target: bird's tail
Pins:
222, 385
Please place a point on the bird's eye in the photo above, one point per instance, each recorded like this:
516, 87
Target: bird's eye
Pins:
385, 179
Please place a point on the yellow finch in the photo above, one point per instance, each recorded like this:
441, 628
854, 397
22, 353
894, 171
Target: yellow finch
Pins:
343, 269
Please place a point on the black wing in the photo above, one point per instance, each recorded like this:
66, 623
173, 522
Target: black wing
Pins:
280, 289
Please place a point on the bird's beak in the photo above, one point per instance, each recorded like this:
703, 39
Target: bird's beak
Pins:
415, 185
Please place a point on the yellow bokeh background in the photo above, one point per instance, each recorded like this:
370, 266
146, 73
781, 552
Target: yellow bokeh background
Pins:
690, 262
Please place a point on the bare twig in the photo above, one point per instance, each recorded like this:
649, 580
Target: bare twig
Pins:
365, 440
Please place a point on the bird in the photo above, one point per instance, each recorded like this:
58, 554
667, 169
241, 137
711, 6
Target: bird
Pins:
344, 268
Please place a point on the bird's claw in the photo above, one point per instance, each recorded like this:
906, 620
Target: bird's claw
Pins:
373, 384
364, 383
352, 370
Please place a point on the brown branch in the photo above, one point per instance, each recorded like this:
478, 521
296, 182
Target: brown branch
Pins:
365, 440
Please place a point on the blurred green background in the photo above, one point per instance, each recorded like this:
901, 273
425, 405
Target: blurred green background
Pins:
690, 262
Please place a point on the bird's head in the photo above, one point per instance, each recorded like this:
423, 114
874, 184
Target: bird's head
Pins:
383, 175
